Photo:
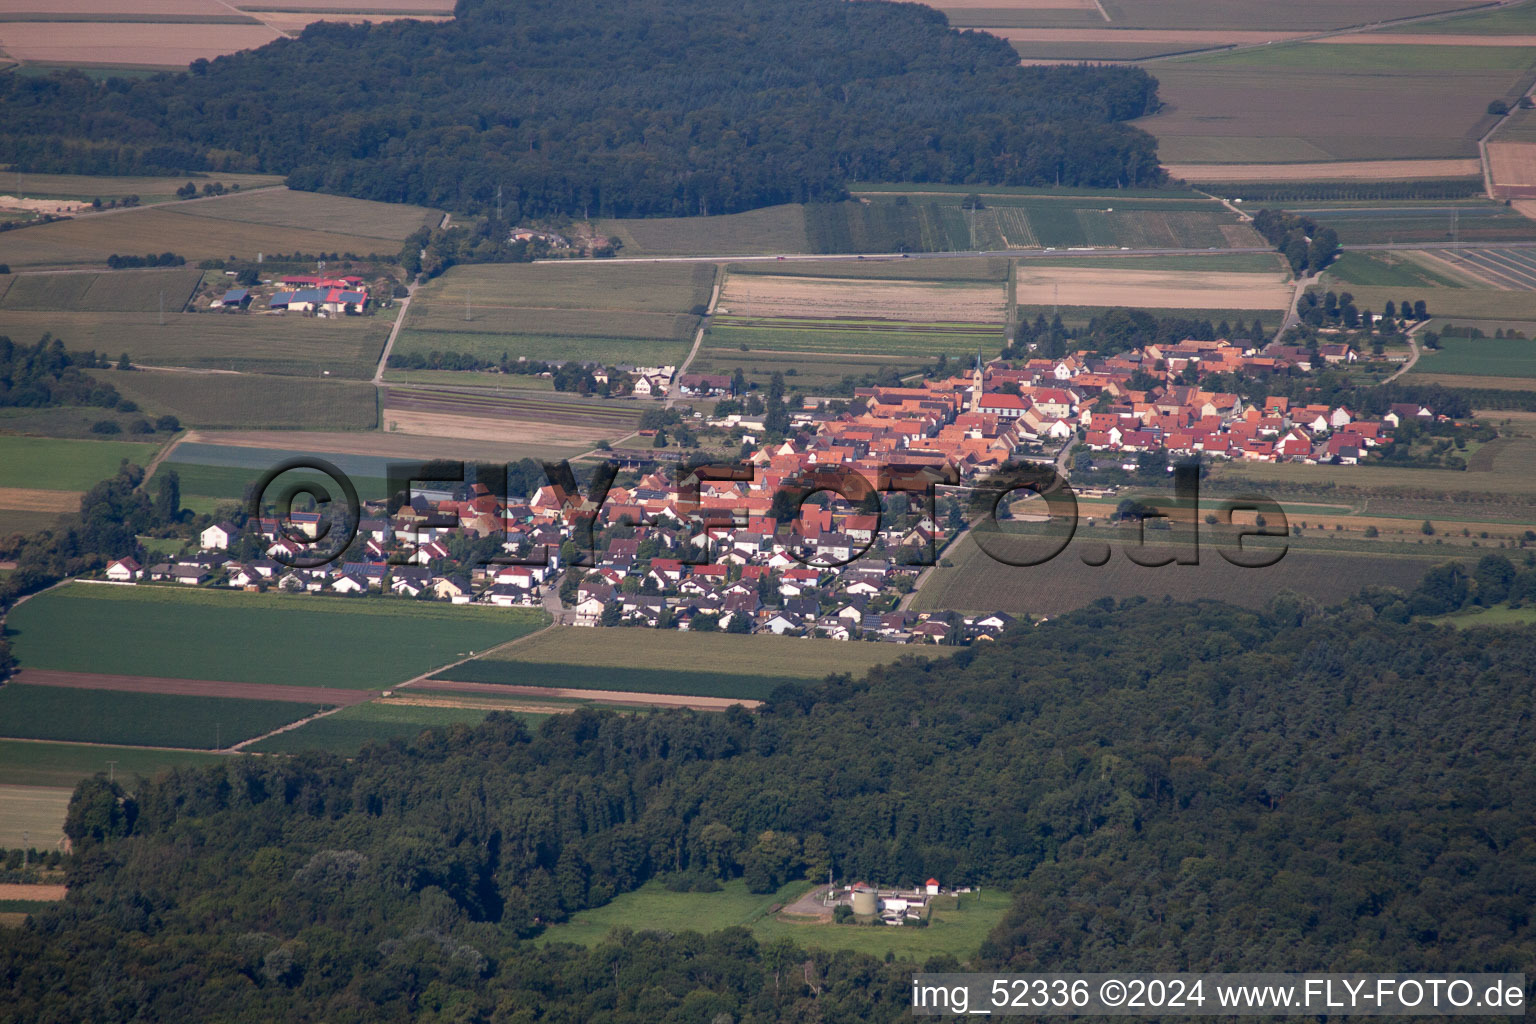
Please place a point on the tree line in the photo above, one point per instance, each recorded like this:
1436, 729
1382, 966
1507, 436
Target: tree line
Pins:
600, 108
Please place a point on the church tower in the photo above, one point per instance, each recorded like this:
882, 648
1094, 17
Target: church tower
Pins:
976, 385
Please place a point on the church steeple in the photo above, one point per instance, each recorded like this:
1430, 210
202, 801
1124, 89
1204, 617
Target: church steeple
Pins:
976, 385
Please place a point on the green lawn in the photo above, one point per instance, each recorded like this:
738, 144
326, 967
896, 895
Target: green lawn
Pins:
52, 464
653, 907
139, 719
300, 640
350, 729
1499, 615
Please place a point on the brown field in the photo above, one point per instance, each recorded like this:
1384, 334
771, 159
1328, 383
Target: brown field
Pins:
659, 700
293, 22
920, 301
90, 240
36, 893
381, 445
1175, 38
1349, 170
313, 211
1014, 5
150, 45
188, 687
481, 428
1428, 39
89, 186
28, 499
1153, 289
1512, 163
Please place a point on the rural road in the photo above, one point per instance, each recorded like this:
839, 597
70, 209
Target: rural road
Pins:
1413, 353
1292, 317
698, 339
394, 332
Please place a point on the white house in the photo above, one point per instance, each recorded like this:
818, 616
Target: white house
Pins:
217, 536
124, 570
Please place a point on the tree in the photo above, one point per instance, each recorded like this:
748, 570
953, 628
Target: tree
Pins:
99, 812
168, 497
1498, 108
123, 362
1324, 247
660, 440
1494, 575
1420, 310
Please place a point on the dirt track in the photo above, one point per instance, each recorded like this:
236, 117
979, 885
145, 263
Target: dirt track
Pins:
656, 700
190, 687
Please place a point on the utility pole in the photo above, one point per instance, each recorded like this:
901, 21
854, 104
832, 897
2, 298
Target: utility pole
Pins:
466, 304
111, 770
162, 307
1455, 228
218, 742
498, 204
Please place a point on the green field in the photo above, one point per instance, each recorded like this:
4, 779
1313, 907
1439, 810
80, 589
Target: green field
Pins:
773, 229
611, 312
745, 686
653, 907
52, 464
190, 229
1393, 269
1499, 615
621, 649
139, 719
147, 188
350, 729
1490, 357
1079, 316
64, 764
300, 640
313, 211
1282, 103
228, 483
132, 291
1474, 221
975, 582
959, 268
893, 340
14, 521
250, 402
289, 345
1519, 19
1468, 303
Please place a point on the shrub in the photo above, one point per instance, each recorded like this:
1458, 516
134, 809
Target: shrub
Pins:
105, 427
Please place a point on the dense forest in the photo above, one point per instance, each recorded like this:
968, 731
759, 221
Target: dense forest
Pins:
606, 108
1161, 785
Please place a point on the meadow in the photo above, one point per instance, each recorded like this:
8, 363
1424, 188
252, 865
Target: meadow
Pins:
62, 465
1466, 303
1281, 103
1472, 222
314, 211
149, 188
621, 649
653, 907
1042, 283
1389, 269
773, 229
139, 719
350, 729
300, 640
249, 401
205, 487
289, 345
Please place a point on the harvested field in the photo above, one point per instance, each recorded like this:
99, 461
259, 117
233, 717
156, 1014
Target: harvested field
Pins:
657, 700
188, 687
438, 6
1153, 39
116, 43
474, 428
517, 418
38, 811
1346, 170
1038, 284
32, 893
185, 228
1016, 5
25, 499
110, 8
957, 269
1293, 14
758, 295
1513, 164
294, 22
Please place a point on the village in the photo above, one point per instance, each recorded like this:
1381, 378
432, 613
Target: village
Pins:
736, 556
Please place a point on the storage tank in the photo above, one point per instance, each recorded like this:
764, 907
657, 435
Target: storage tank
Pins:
865, 902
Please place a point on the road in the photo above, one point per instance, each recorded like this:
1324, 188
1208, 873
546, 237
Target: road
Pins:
698, 341
1413, 354
1292, 315
394, 332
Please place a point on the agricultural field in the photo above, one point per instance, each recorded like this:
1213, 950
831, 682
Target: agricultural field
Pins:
284, 345
1045, 283
1471, 222
312, 211
636, 314
618, 650
1480, 357
517, 417
975, 582
773, 229
32, 817
1396, 269
295, 640
1221, 176
350, 729
190, 229
139, 719
1509, 269
129, 291
1280, 104
767, 297
744, 686
247, 401
149, 189
1469, 303
167, 45
958, 933
51, 464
